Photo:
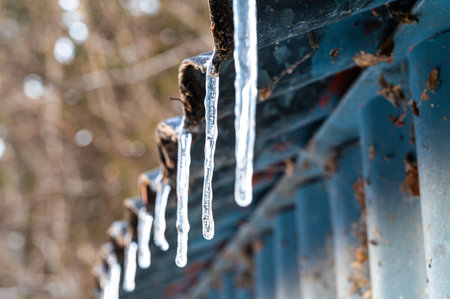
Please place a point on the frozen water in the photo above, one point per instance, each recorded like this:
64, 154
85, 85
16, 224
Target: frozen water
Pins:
211, 99
246, 66
144, 229
111, 290
130, 267
184, 161
160, 215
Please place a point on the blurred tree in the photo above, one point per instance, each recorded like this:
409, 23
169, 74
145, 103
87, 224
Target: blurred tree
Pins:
82, 86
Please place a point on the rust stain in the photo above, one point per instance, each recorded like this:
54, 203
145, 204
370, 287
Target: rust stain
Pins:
359, 281
372, 152
406, 17
374, 12
335, 52
432, 84
258, 245
414, 108
380, 236
280, 147
262, 177
433, 79
267, 90
289, 170
195, 268
173, 289
398, 121
331, 165
358, 189
306, 164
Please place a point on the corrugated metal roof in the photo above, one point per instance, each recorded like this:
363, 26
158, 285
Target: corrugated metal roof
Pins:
315, 107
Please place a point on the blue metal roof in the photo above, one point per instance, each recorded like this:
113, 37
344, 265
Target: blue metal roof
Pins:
337, 166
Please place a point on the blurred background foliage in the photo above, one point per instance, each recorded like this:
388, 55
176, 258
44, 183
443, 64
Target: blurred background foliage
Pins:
82, 86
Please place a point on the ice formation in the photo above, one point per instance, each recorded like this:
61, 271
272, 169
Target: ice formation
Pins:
211, 99
130, 266
184, 161
246, 66
111, 290
144, 229
162, 196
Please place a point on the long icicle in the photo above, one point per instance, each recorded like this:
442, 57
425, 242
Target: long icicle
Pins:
130, 267
160, 215
211, 100
246, 65
184, 161
111, 290
144, 230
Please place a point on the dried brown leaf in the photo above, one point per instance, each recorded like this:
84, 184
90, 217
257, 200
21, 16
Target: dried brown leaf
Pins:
392, 93
364, 59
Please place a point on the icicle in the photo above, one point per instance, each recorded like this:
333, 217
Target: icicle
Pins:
246, 65
130, 267
111, 290
102, 278
184, 161
211, 99
144, 229
160, 215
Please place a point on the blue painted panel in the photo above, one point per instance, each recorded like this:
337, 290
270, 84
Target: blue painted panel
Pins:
352, 272
227, 291
433, 155
242, 293
433, 16
265, 269
285, 247
394, 222
315, 248
212, 294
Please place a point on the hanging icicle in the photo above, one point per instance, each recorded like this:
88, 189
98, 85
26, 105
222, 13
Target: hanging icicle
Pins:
162, 196
184, 161
211, 100
246, 65
102, 275
130, 266
111, 290
144, 229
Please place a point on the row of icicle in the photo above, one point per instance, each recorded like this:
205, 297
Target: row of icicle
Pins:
246, 66
140, 249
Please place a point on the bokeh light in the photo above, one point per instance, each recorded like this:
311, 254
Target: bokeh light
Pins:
64, 50
69, 4
78, 32
33, 87
83, 137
